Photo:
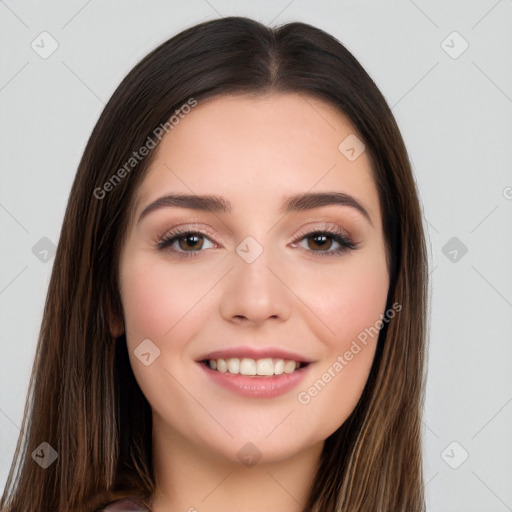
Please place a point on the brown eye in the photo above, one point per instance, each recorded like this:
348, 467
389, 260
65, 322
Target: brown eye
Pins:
321, 242
185, 243
190, 241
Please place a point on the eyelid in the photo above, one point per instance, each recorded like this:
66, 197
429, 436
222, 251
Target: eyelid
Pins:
333, 231
321, 226
185, 227
200, 227
339, 235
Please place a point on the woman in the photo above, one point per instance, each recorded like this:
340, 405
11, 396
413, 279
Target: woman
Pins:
236, 318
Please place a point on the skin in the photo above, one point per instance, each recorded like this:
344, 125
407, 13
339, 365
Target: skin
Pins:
253, 151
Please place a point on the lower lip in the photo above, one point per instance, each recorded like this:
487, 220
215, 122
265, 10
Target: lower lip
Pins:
257, 386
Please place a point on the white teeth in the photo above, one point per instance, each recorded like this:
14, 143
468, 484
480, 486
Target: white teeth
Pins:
247, 366
289, 366
265, 367
234, 365
222, 366
278, 366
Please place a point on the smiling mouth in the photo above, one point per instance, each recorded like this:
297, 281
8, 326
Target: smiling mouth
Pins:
254, 367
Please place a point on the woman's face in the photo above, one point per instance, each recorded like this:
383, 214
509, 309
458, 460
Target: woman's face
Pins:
251, 285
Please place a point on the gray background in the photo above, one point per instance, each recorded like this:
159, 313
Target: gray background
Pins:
454, 110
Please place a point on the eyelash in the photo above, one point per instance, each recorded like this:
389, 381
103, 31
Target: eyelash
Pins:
346, 243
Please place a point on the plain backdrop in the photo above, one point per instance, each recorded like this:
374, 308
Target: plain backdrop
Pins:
443, 66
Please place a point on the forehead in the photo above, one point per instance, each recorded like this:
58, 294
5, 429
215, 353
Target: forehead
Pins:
261, 147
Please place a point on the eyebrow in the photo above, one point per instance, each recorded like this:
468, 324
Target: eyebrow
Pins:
296, 203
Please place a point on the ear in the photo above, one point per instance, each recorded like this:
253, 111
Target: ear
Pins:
115, 323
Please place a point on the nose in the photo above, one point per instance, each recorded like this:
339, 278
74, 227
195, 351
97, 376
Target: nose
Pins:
257, 291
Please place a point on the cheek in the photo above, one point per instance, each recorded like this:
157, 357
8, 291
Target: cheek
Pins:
154, 300
142, 303
160, 304
348, 299
350, 304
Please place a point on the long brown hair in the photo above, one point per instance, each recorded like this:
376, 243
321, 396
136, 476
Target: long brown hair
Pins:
83, 399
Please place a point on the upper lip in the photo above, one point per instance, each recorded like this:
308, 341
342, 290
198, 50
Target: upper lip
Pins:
255, 353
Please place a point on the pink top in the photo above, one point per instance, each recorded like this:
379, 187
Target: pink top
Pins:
126, 505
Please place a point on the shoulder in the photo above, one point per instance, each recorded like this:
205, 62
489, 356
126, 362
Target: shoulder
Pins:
125, 505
